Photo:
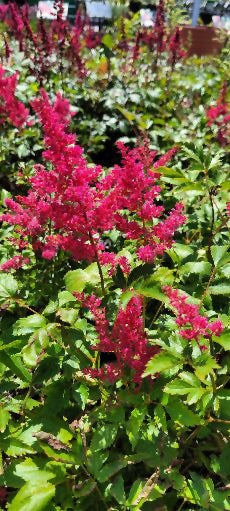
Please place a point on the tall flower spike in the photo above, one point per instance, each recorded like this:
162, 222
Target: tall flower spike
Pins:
195, 326
126, 340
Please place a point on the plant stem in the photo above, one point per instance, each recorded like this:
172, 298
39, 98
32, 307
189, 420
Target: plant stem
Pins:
208, 284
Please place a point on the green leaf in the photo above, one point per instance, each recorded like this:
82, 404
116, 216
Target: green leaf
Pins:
33, 497
76, 280
181, 251
187, 383
65, 297
81, 394
204, 365
161, 362
68, 315
133, 426
223, 340
51, 307
103, 437
180, 413
14, 363
29, 324
8, 286
192, 155
30, 355
190, 378
202, 268
130, 116
218, 252
160, 417
150, 290
4, 419
108, 41
117, 490
110, 469
135, 491
178, 386
220, 289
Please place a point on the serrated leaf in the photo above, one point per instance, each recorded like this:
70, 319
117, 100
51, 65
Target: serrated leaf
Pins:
202, 268
218, 252
65, 297
76, 280
50, 308
8, 286
220, 289
4, 419
161, 362
14, 363
223, 340
178, 386
133, 426
81, 394
204, 365
29, 324
30, 355
117, 490
180, 413
110, 469
68, 315
182, 251
33, 497
103, 437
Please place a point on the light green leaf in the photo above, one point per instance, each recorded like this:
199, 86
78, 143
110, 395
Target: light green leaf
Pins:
220, 289
29, 354
4, 419
76, 280
33, 497
161, 362
178, 386
218, 252
108, 41
29, 324
65, 297
202, 268
8, 286
68, 315
204, 365
223, 340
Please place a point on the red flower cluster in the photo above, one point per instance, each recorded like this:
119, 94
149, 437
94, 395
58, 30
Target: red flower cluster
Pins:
195, 325
176, 53
70, 206
14, 263
219, 115
126, 340
11, 109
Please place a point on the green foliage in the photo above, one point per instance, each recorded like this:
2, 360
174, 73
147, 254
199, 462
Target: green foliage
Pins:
69, 441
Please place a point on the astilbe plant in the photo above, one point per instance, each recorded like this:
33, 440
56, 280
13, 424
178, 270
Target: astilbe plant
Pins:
219, 116
11, 109
71, 205
127, 340
195, 326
